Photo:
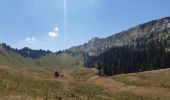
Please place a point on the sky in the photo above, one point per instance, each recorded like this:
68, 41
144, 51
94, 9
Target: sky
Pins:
40, 24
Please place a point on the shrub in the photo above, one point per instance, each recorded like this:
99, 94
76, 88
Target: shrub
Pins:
57, 74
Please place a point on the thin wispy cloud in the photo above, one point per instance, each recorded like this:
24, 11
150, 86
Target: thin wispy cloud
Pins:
65, 19
56, 29
54, 33
30, 40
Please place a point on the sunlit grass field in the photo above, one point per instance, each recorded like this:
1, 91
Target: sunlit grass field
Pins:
79, 83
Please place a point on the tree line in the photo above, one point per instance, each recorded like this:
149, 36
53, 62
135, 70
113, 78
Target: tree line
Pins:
142, 56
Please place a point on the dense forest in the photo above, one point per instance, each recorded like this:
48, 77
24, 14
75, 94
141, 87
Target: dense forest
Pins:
127, 59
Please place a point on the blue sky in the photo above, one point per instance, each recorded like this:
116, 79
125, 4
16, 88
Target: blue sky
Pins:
39, 24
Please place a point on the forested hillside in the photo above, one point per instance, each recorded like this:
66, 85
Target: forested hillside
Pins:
147, 51
127, 59
156, 29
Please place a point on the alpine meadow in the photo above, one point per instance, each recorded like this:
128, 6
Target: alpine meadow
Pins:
84, 50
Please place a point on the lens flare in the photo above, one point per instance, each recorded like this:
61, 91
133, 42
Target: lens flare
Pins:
65, 18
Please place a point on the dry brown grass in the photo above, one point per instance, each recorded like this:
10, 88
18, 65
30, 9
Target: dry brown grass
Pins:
82, 84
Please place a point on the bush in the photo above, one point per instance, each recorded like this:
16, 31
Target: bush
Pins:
62, 75
57, 74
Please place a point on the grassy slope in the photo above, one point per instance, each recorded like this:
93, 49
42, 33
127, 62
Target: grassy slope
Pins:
149, 85
156, 78
59, 60
40, 83
10, 58
81, 84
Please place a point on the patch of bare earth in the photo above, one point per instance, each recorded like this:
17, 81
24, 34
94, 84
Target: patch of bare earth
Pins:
116, 87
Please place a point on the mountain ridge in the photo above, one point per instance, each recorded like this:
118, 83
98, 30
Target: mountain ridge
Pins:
96, 46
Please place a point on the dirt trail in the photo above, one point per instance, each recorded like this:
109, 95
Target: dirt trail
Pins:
107, 82
92, 78
116, 87
111, 84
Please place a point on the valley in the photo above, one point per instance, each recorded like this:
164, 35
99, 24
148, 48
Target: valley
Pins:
130, 65
84, 50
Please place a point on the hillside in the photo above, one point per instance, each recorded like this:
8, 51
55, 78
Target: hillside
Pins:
81, 84
27, 57
9, 58
153, 30
59, 60
141, 48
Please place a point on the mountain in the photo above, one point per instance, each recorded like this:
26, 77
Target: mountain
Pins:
156, 29
141, 48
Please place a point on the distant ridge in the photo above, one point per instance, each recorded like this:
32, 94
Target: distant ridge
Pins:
27, 52
27, 57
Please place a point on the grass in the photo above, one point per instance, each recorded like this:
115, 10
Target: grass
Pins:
53, 60
33, 83
89, 91
10, 58
149, 85
82, 74
132, 96
40, 83
17, 84
126, 96
157, 78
